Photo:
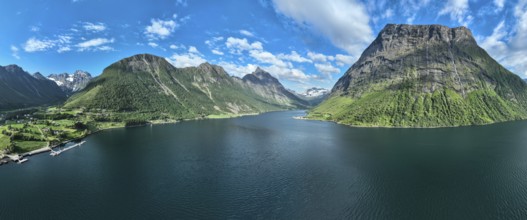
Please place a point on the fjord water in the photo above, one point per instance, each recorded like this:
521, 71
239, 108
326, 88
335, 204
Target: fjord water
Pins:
272, 166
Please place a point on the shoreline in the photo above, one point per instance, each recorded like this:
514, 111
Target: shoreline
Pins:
399, 127
6, 158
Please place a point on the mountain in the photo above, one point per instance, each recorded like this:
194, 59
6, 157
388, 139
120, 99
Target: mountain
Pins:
152, 86
71, 83
268, 87
314, 96
19, 89
425, 76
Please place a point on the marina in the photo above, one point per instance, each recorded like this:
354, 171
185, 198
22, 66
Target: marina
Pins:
22, 158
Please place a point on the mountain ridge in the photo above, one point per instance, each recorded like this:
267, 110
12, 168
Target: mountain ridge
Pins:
19, 89
424, 76
150, 84
71, 83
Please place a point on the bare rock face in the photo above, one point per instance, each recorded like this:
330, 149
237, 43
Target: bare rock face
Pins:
71, 83
425, 76
428, 57
265, 85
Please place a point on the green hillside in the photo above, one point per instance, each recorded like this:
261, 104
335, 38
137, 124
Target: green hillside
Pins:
425, 76
151, 86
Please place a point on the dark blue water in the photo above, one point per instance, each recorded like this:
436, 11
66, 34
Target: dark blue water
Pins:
272, 166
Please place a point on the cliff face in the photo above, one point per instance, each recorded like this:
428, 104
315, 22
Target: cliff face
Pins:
413, 67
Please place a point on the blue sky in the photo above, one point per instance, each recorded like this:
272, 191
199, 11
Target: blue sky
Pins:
304, 43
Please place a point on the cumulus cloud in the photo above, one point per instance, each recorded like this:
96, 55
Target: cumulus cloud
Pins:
344, 60
457, 9
160, 29
318, 57
326, 68
94, 27
237, 70
295, 57
344, 22
35, 45
186, 59
510, 49
95, 44
193, 49
289, 73
238, 45
266, 57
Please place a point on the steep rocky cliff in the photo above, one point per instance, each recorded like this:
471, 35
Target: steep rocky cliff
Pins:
425, 76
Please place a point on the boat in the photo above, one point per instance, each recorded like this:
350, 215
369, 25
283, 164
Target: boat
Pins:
22, 160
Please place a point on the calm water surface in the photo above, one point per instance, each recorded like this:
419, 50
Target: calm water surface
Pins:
274, 167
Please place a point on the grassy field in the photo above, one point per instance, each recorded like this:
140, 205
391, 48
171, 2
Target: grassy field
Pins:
4, 142
26, 146
55, 125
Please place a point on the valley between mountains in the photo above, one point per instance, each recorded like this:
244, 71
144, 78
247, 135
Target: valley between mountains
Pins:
134, 91
410, 76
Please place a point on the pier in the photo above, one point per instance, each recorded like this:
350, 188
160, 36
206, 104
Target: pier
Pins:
57, 152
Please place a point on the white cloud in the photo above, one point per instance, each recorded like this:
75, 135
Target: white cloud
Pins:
186, 60
212, 42
409, 7
152, 44
326, 68
35, 45
34, 28
388, 13
457, 9
246, 33
267, 57
510, 49
318, 57
217, 52
237, 70
295, 57
182, 3
499, 4
160, 29
344, 22
64, 39
289, 73
95, 44
173, 46
63, 49
14, 52
238, 45
104, 48
94, 27
194, 50
494, 44
344, 59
